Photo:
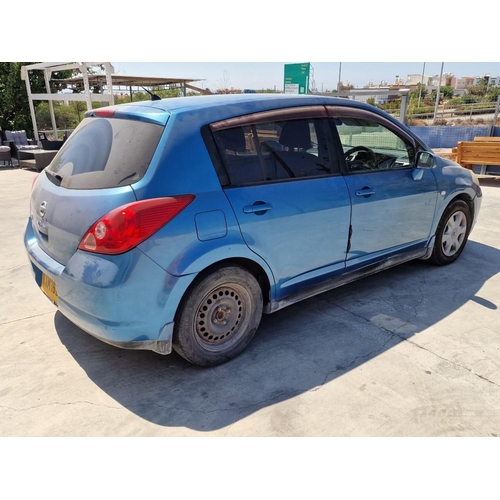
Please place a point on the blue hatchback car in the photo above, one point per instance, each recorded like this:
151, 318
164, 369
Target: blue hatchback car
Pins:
177, 223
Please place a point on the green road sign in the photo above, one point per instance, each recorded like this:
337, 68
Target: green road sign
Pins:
297, 78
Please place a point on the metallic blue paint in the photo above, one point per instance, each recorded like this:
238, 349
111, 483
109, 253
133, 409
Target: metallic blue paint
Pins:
99, 293
68, 213
397, 216
303, 237
300, 234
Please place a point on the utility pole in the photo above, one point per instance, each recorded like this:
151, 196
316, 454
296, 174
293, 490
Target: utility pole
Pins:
438, 93
421, 85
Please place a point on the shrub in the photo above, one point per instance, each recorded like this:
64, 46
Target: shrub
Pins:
417, 122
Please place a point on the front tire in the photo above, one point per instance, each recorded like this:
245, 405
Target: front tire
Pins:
218, 317
452, 233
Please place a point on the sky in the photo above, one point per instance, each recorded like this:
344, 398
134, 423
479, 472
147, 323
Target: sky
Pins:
259, 75
246, 45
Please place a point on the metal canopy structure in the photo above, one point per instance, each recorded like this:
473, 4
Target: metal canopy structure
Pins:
126, 81
107, 82
48, 69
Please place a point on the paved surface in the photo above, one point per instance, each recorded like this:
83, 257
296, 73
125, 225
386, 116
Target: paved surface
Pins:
414, 351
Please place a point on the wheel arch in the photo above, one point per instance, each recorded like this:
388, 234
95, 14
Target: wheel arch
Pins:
464, 197
437, 256
254, 268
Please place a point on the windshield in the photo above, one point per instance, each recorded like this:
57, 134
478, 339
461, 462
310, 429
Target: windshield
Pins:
104, 153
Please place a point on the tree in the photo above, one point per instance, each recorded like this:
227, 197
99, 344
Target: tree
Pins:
67, 116
79, 88
170, 92
447, 92
14, 103
223, 85
493, 92
444, 93
480, 88
419, 93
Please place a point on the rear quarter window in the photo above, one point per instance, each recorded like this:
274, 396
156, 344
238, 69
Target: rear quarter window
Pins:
105, 153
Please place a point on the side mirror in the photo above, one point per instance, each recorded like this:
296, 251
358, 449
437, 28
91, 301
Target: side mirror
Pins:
424, 160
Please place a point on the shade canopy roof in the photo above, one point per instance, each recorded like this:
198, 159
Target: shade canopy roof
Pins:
102, 78
126, 80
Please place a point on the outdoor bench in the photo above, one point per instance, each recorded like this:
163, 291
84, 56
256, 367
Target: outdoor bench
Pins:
483, 151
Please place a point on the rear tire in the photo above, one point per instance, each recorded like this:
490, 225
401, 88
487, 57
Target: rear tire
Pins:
452, 233
218, 317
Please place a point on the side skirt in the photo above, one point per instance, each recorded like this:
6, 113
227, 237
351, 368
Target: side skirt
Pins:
343, 279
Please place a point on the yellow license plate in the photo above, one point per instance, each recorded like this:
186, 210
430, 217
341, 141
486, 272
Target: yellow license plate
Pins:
49, 288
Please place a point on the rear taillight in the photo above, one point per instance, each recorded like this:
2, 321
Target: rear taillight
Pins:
127, 226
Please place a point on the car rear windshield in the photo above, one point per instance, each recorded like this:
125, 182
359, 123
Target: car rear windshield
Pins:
105, 153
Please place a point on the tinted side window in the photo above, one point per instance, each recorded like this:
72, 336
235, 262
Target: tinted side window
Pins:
106, 153
274, 150
368, 146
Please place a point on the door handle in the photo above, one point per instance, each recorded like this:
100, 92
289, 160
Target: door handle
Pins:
366, 191
258, 208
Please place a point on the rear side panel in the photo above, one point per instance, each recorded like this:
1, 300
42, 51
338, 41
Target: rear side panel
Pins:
205, 232
125, 300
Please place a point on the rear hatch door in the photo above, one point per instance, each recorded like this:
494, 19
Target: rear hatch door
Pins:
91, 175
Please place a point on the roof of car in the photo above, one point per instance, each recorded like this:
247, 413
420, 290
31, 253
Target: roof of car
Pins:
246, 101
221, 105
212, 108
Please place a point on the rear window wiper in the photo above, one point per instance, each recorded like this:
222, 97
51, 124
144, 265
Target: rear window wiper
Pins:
54, 178
126, 178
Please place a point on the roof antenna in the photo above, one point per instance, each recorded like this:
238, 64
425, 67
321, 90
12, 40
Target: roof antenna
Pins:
154, 97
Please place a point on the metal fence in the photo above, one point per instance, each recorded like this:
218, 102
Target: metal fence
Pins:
448, 137
454, 113
457, 114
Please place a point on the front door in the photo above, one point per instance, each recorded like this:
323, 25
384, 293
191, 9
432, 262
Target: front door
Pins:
392, 210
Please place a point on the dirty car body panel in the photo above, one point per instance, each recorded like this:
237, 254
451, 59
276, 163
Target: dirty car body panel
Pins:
178, 222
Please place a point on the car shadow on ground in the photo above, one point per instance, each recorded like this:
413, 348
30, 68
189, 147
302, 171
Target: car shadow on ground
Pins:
297, 349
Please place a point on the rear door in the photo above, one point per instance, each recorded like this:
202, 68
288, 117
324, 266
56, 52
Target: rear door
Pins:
291, 202
392, 210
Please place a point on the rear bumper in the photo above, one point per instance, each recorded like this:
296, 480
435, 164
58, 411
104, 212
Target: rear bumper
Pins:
124, 300
163, 345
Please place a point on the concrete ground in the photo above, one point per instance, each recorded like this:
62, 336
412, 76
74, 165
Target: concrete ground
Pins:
413, 351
